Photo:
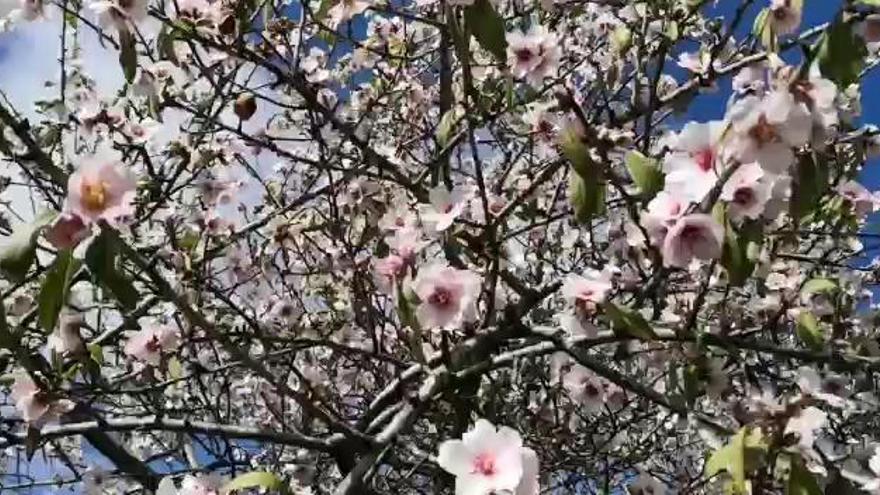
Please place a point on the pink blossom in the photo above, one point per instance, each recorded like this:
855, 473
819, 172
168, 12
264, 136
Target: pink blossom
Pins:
406, 243
345, 10
693, 165
693, 236
533, 55
785, 16
448, 296
662, 213
747, 191
101, 190
488, 460
67, 231
765, 130
35, 406
585, 293
445, 207
862, 201
148, 344
398, 216
119, 13
387, 271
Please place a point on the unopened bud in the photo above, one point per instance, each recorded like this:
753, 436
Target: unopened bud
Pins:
245, 106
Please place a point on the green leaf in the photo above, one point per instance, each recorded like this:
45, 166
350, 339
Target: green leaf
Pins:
19, 250
801, 481
56, 288
127, 54
740, 456
487, 26
842, 54
810, 183
323, 9
175, 369
446, 127
762, 29
96, 352
871, 3
100, 258
809, 331
256, 479
627, 322
818, 286
646, 173
621, 40
740, 251
587, 198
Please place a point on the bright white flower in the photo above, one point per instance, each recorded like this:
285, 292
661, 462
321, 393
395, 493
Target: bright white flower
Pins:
829, 390
119, 13
445, 207
693, 165
765, 130
693, 236
148, 344
747, 191
488, 460
533, 55
584, 388
819, 95
448, 296
805, 425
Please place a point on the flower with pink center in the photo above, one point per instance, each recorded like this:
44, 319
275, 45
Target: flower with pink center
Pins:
785, 15
747, 191
584, 388
533, 55
585, 293
445, 207
67, 231
35, 405
694, 236
101, 190
387, 271
448, 296
148, 344
398, 216
406, 243
766, 130
862, 201
693, 165
662, 213
488, 460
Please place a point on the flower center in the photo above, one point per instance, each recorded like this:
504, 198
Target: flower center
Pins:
440, 297
94, 195
153, 345
691, 233
705, 159
591, 390
764, 132
743, 196
523, 55
484, 464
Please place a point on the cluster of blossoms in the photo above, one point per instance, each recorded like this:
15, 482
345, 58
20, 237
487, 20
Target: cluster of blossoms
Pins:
315, 244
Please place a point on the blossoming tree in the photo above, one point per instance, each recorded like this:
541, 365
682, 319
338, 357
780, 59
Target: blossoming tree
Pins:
442, 246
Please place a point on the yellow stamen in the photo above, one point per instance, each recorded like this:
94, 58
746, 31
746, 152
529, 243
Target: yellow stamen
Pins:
94, 195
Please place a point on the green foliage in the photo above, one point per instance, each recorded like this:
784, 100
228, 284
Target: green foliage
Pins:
645, 173
56, 288
810, 331
627, 322
257, 479
801, 481
841, 54
741, 246
19, 250
743, 454
100, 258
487, 26
127, 54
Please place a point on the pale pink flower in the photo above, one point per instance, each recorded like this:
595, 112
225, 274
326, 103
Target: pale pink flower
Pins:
693, 165
819, 95
66, 337
35, 406
148, 344
863, 202
662, 213
785, 16
387, 271
765, 130
487, 460
398, 216
533, 55
750, 78
67, 231
585, 293
693, 236
445, 207
406, 243
345, 10
448, 296
101, 190
747, 191
584, 388
207, 484
119, 13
